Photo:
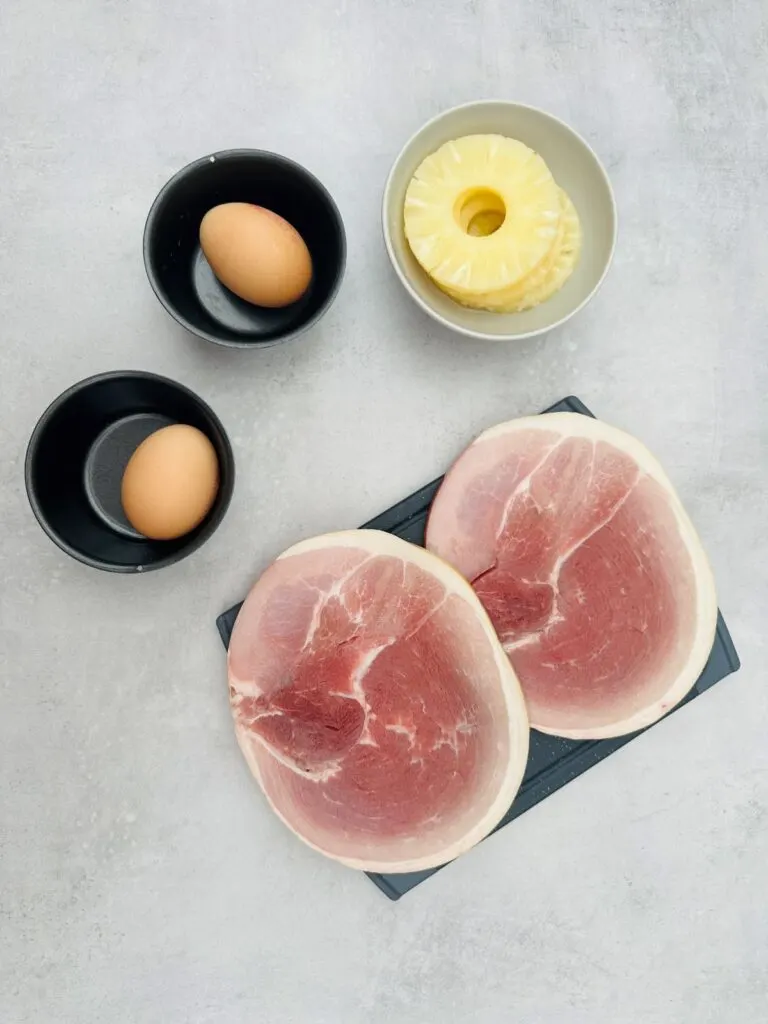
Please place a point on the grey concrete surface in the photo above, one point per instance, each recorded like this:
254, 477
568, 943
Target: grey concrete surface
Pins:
143, 879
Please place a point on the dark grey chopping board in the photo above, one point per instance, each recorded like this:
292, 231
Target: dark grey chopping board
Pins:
552, 761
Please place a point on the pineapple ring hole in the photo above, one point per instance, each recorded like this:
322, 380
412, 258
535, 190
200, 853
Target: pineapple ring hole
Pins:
480, 212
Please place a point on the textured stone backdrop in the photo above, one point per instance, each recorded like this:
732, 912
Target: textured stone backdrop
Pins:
143, 880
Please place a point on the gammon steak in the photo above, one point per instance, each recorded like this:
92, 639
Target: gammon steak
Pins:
374, 704
592, 573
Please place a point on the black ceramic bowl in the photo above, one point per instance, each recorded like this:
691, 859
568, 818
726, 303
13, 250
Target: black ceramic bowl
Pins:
79, 450
180, 274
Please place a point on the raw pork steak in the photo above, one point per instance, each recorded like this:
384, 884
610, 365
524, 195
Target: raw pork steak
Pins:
374, 704
576, 543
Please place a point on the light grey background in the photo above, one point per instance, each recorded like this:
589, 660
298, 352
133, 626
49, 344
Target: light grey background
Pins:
143, 879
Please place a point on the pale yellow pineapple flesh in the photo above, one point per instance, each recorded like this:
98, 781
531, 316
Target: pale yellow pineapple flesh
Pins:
487, 222
545, 279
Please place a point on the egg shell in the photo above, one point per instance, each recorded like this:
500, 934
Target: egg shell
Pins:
256, 253
170, 482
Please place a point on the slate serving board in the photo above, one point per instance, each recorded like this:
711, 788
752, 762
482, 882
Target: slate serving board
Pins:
552, 761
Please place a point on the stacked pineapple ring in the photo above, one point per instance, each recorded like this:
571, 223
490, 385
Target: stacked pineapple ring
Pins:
486, 220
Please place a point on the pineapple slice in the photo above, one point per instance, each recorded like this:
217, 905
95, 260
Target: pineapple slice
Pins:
561, 266
481, 213
545, 279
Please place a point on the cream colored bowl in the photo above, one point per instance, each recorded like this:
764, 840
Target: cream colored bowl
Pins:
576, 169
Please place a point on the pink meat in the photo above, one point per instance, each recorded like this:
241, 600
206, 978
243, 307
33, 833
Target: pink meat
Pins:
371, 702
590, 571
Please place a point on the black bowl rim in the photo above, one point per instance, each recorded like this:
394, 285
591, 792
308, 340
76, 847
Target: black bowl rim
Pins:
227, 483
258, 155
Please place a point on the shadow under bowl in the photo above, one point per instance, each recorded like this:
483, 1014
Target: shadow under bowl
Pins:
181, 276
77, 455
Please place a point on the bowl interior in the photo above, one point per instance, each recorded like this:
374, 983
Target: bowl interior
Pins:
575, 168
77, 456
180, 274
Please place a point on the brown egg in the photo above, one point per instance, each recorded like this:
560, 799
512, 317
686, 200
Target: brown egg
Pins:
170, 482
256, 254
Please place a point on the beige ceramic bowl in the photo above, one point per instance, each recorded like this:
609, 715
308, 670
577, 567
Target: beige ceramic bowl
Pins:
574, 166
